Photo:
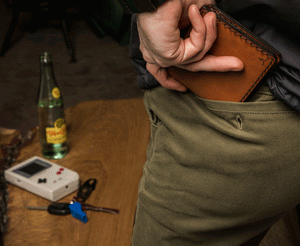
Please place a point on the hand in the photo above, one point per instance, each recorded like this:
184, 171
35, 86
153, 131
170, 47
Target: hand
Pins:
162, 46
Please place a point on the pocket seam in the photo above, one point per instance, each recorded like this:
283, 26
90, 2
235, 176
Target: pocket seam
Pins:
251, 112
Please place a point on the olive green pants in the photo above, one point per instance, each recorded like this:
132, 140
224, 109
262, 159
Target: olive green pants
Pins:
217, 173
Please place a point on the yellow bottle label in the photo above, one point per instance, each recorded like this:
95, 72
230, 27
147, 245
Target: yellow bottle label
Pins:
59, 123
58, 133
56, 92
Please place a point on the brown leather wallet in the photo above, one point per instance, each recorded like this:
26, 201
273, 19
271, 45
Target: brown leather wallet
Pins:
233, 39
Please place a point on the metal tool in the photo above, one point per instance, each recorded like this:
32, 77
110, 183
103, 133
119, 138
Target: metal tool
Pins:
83, 194
54, 208
85, 206
86, 189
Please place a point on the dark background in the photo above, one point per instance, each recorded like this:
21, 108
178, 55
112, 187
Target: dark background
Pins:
103, 69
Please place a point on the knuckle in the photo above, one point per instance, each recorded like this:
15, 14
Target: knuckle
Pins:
141, 47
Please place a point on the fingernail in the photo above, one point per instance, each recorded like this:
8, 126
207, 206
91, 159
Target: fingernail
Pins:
214, 20
196, 8
238, 65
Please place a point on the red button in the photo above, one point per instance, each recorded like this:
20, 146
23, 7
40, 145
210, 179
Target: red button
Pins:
61, 169
58, 173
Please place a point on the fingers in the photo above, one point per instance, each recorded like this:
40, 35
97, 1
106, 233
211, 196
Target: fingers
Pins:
210, 20
194, 44
200, 41
202, 35
161, 75
166, 48
211, 63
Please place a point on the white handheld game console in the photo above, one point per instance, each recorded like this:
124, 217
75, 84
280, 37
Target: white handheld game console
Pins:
43, 178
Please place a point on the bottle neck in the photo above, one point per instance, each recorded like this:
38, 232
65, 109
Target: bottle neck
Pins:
48, 89
47, 74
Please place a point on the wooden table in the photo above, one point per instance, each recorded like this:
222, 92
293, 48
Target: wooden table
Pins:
108, 141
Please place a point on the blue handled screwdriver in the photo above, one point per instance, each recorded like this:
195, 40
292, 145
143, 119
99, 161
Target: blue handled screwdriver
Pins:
57, 208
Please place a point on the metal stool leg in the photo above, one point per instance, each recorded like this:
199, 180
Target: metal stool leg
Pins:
68, 41
13, 25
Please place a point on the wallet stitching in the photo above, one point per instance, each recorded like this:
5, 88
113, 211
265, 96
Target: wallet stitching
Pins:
223, 23
251, 43
248, 41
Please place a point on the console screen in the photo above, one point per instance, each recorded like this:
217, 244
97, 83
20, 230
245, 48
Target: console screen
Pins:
32, 168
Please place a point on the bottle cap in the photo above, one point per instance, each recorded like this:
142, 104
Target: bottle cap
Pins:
46, 57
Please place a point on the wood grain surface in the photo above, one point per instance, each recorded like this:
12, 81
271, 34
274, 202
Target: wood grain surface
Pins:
108, 141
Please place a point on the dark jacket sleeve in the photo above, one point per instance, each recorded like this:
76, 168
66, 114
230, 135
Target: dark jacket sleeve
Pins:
278, 23
139, 6
144, 78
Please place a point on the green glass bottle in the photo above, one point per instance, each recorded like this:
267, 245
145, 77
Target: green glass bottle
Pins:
52, 125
